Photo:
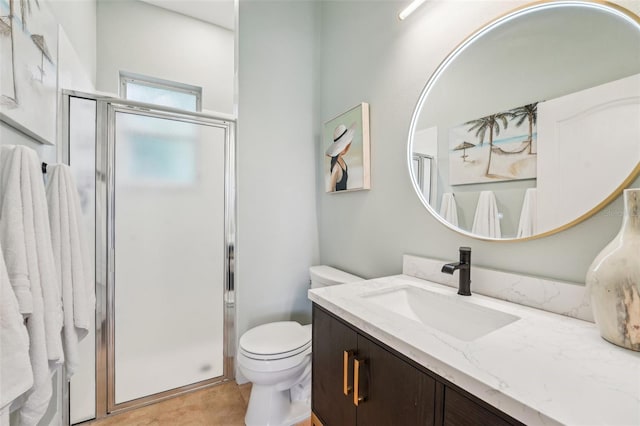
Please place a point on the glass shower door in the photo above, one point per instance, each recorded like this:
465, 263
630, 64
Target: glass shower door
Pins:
167, 258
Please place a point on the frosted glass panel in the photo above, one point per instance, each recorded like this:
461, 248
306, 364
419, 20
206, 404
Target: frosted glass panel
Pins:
169, 254
160, 96
82, 155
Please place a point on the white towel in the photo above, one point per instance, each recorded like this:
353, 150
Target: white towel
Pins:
529, 215
12, 230
448, 208
23, 200
16, 376
72, 262
486, 221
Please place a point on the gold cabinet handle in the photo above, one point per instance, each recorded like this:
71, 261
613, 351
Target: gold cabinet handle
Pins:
346, 387
358, 395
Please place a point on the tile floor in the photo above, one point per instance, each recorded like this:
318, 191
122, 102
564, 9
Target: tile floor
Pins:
222, 405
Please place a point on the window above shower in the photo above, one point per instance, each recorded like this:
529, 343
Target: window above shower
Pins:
156, 91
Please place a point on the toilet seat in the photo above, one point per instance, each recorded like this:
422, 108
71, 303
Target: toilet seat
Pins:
273, 365
275, 346
277, 356
275, 340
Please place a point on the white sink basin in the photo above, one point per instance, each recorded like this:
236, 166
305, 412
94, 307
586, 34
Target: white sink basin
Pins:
450, 314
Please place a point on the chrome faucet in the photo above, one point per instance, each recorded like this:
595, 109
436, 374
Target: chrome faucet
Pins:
464, 265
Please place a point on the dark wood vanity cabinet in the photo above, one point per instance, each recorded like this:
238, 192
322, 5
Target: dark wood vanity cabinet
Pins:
330, 339
357, 381
460, 410
390, 391
393, 392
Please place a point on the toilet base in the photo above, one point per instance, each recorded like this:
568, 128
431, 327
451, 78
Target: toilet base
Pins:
271, 407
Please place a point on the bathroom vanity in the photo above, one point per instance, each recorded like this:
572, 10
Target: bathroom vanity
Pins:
404, 350
389, 387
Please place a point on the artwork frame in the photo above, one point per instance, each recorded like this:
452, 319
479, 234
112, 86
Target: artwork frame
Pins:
29, 72
495, 148
347, 151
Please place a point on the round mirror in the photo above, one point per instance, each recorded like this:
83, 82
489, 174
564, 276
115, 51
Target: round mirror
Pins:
532, 124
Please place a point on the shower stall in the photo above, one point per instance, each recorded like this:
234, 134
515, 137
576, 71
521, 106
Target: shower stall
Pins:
158, 196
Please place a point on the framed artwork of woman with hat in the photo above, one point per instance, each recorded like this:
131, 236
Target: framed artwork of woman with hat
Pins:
346, 143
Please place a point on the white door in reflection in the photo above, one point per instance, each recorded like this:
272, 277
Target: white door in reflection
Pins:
169, 233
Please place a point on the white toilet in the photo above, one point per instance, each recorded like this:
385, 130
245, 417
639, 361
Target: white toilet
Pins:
276, 357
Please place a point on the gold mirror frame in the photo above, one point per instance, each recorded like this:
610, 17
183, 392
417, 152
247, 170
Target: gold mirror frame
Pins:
608, 7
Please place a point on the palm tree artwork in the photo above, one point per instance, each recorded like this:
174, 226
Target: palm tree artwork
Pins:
5, 25
25, 10
39, 41
463, 147
530, 113
6, 30
490, 124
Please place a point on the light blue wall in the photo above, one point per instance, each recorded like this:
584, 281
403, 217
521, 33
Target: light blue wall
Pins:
369, 55
277, 126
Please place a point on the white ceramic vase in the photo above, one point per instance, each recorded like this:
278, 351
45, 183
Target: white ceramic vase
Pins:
613, 280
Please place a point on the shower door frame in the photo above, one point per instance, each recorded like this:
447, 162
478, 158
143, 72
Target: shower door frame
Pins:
106, 109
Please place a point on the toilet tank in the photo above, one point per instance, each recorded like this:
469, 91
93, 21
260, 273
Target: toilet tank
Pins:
322, 276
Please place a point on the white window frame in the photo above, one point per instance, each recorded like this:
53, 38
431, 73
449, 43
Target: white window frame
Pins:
144, 80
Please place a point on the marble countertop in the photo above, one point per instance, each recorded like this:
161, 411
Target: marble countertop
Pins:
543, 369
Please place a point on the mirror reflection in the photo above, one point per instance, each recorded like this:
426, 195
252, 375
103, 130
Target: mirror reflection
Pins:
532, 124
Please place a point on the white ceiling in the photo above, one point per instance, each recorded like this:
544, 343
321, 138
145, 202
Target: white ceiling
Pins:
218, 12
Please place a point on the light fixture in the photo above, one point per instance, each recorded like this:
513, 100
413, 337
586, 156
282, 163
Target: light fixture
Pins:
410, 9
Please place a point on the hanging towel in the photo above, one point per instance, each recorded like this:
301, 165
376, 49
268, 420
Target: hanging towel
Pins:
529, 214
23, 203
12, 230
448, 208
71, 260
486, 221
16, 376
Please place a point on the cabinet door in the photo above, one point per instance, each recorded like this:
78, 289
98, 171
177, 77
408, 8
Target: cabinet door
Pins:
462, 411
395, 392
330, 339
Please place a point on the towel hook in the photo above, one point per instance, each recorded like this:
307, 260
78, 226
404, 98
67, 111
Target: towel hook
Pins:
44, 167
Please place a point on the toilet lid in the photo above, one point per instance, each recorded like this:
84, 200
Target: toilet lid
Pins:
275, 338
